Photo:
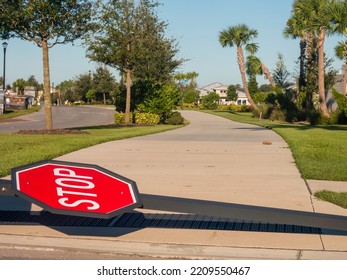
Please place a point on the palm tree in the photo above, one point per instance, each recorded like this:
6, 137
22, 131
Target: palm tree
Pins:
240, 36
254, 66
341, 53
338, 14
321, 26
295, 28
312, 17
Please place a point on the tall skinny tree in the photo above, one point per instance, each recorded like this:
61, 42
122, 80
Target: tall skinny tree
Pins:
338, 14
241, 37
46, 23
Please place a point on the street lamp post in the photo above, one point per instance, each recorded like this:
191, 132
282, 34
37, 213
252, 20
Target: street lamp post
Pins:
4, 45
2, 100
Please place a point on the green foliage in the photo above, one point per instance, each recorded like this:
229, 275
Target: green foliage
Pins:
253, 85
340, 99
146, 118
235, 108
119, 118
281, 107
53, 22
281, 73
91, 94
131, 37
175, 119
232, 93
260, 97
191, 96
161, 101
137, 118
210, 101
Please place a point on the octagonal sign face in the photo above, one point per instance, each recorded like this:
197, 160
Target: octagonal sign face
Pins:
75, 189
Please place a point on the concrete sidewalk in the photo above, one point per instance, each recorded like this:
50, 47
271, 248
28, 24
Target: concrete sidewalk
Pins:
211, 159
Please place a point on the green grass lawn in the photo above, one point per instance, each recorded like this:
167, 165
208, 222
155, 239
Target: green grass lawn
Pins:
320, 152
20, 149
11, 113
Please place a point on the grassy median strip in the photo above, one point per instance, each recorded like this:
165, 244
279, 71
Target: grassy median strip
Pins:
20, 149
338, 198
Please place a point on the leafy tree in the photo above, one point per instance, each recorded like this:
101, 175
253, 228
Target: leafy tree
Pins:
131, 39
164, 100
31, 81
91, 94
46, 23
186, 82
253, 85
210, 101
232, 93
240, 36
103, 83
338, 13
19, 85
82, 84
341, 53
66, 90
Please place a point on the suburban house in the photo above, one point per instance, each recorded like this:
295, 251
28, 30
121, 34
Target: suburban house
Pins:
222, 90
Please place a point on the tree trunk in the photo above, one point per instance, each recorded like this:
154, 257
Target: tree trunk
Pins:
47, 87
310, 81
321, 88
344, 88
268, 75
302, 80
241, 62
128, 97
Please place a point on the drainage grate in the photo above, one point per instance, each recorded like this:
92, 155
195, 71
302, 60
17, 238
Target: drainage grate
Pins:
140, 220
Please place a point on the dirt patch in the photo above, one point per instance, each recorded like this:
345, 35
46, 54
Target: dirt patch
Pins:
53, 131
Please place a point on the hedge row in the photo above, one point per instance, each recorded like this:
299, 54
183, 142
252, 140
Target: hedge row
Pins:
137, 118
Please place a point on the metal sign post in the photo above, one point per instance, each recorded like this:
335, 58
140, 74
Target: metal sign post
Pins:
89, 190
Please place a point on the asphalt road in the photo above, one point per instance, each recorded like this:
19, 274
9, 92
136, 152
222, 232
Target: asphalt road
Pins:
63, 117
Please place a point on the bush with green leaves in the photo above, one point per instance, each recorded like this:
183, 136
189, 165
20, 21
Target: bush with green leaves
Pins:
175, 119
146, 118
210, 101
119, 118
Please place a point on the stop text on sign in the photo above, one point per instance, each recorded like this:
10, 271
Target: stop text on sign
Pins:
69, 182
75, 189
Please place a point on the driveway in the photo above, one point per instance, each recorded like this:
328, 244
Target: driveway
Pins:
63, 117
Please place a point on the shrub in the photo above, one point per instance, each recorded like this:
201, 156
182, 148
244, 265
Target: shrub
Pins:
119, 118
210, 101
147, 118
340, 99
137, 118
175, 119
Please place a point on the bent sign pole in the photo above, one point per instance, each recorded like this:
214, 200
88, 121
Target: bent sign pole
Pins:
92, 191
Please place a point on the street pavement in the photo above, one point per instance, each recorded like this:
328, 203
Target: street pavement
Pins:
210, 159
63, 117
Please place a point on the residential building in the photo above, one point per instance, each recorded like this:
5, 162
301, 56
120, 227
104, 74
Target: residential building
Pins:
222, 91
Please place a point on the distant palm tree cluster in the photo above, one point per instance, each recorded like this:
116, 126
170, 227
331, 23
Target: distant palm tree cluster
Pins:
311, 21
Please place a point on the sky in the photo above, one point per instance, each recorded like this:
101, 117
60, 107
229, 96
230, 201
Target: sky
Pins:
195, 24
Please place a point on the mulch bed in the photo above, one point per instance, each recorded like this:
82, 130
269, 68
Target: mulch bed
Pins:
53, 131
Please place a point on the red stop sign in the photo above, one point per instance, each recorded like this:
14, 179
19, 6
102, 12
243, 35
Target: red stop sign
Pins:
75, 189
